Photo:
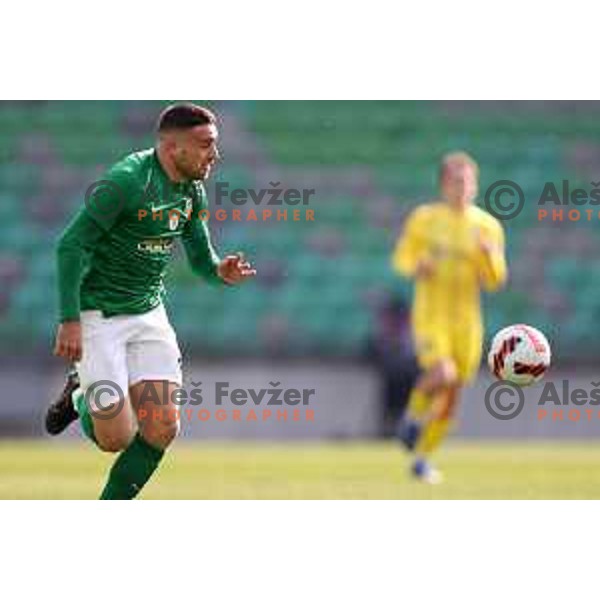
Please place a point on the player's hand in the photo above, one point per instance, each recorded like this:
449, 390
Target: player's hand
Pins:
235, 269
68, 341
425, 268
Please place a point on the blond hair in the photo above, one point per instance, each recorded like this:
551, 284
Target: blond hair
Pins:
458, 159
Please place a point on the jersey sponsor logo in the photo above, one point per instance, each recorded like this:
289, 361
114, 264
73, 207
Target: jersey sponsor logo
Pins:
156, 246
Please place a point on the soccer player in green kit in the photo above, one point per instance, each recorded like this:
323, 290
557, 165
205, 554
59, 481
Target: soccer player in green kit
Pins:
113, 324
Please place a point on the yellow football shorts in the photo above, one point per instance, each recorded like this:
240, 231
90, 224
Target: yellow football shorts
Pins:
439, 341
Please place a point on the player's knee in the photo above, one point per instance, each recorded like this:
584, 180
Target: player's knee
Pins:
116, 442
161, 433
448, 374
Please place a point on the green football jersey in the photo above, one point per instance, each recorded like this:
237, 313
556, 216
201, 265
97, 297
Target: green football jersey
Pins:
127, 230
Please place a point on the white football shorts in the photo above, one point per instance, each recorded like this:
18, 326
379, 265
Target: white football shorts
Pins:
120, 351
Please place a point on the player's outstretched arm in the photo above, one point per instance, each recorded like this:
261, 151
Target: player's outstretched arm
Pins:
205, 262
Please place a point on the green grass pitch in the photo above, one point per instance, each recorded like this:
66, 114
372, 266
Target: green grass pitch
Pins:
207, 470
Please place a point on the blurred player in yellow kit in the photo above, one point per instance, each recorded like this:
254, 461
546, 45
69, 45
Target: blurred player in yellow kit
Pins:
453, 249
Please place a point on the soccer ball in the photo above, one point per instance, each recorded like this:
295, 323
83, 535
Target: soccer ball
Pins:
519, 354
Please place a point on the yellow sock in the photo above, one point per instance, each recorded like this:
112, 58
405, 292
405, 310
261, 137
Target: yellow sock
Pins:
418, 404
433, 434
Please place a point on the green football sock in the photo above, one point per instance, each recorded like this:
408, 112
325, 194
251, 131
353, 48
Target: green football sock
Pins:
81, 406
132, 470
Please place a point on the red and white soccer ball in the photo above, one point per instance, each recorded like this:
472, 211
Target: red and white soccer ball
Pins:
519, 354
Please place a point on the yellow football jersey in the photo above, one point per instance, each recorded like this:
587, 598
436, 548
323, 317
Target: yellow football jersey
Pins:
446, 315
461, 268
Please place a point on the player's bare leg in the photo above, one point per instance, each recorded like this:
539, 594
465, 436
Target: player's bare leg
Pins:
432, 404
448, 403
434, 431
158, 421
110, 425
137, 463
431, 384
114, 428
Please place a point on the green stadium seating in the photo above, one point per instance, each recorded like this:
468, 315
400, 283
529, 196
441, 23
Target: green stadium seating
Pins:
317, 283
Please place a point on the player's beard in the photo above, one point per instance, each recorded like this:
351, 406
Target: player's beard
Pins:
205, 173
199, 172
193, 174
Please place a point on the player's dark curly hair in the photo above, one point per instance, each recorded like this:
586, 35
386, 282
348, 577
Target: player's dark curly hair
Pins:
184, 116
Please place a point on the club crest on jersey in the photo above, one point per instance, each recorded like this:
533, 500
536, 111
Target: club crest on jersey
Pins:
174, 220
175, 215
